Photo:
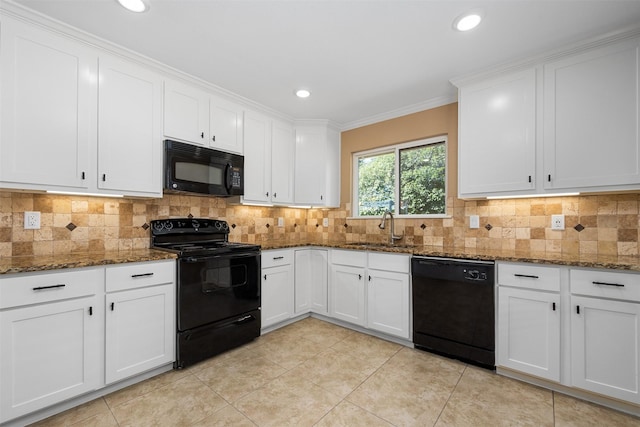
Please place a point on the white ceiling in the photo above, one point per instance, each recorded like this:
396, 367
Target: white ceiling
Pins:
360, 58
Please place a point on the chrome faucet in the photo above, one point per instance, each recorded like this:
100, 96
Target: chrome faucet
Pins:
393, 236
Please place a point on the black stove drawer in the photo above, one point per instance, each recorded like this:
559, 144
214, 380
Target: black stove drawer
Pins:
201, 343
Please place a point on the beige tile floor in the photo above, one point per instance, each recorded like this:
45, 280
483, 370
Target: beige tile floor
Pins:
313, 373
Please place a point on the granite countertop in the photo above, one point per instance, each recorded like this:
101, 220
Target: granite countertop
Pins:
23, 264
631, 263
42, 263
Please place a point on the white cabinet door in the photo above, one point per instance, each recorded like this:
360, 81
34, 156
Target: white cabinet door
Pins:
186, 113
388, 302
348, 294
49, 353
257, 160
225, 121
592, 117
529, 332
129, 128
277, 294
605, 340
497, 139
49, 98
311, 281
310, 166
283, 146
140, 331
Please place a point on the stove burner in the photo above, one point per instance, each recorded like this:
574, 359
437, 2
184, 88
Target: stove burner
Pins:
194, 236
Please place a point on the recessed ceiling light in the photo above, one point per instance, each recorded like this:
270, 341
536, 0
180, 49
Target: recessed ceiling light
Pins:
467, 21
302, 93
134, 5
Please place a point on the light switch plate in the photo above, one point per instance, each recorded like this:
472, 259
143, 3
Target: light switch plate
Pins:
325, 222
474, 221
280, 222
32, 220
557, 222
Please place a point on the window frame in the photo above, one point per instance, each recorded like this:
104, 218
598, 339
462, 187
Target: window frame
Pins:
396, 148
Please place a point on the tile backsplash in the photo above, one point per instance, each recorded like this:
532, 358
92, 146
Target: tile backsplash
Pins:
602, 224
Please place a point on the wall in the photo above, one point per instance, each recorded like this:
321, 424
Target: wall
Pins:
76, 224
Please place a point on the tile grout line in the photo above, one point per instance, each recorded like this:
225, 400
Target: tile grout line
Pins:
451, 394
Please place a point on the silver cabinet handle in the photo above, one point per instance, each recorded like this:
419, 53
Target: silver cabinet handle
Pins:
528, 276
277, 257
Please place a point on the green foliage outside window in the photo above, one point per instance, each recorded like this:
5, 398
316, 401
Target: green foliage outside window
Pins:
422, 174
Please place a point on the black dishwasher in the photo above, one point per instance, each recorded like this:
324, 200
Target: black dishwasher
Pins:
453, 308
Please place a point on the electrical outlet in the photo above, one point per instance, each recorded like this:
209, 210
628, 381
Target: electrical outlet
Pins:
280, 222
325, 222
32, 220
557, 222
474, 221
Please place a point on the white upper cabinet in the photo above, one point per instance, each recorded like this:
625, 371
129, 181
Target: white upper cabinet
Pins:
129, 128
225, 125
283, 146
317, 165
75, 118
569, 123
591, 119
257, 162
497, 135
186, 113
49, 100
196, 116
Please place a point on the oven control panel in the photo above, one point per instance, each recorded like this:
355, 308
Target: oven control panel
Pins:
183, 225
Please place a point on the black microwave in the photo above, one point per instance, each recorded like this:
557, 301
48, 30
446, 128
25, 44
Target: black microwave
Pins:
200, 170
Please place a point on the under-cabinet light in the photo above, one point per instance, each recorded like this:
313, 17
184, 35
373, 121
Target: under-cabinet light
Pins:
73, 193
532, 196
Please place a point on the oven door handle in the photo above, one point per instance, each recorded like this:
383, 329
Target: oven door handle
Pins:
192, 259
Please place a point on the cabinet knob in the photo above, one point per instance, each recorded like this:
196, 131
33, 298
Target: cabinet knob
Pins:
275, 195
213, 138
265, 277
104, 176
83, 175
359, 276
267, 194
202, 135
112, 305
90, 311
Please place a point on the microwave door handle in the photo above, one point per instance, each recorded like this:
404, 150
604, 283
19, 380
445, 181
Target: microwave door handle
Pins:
227, 177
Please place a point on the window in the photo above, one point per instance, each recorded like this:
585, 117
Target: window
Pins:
406, 179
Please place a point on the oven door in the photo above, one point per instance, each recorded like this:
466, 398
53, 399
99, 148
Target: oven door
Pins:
214, 288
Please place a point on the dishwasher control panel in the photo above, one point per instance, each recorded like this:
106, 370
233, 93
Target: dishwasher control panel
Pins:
471, 274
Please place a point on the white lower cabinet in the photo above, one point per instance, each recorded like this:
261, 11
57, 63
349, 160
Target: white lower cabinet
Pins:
139, 324
529, 332
348, 294
311, 281
605, 339
605, 333
371, 289
594, 347
49, 351
277, 287
388, 302
52, 332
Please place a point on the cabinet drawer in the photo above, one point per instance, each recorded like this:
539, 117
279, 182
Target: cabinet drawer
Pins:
27, 289
387, 262
529, 276
606, 284
354, 258
139, 275
276, 257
